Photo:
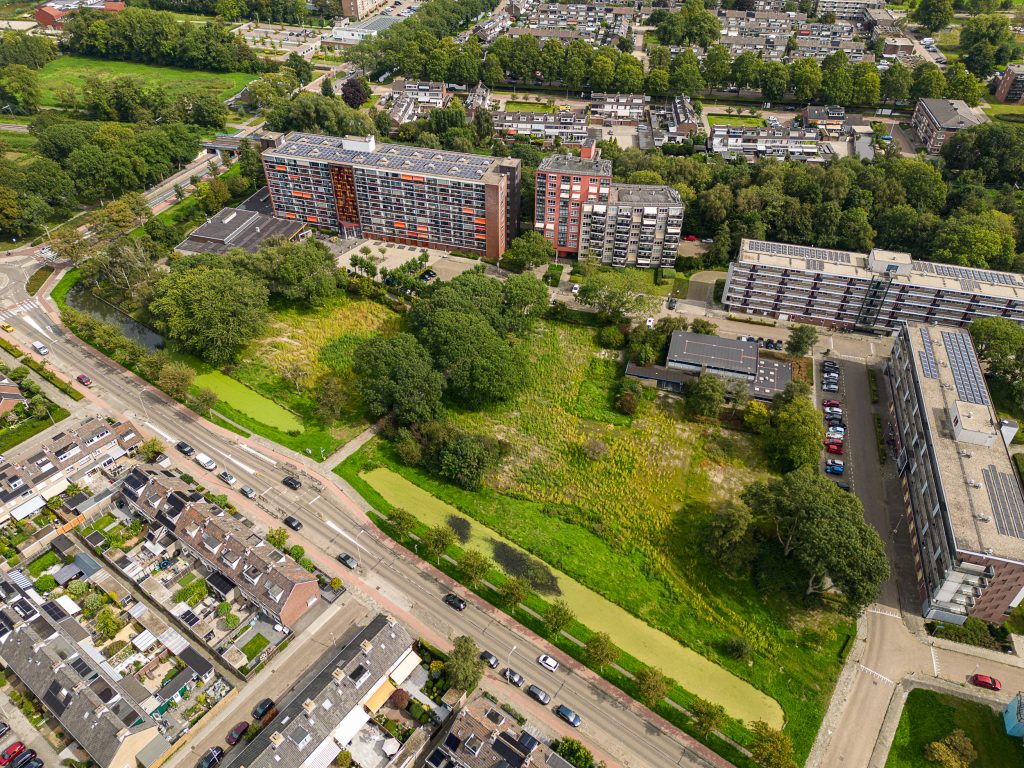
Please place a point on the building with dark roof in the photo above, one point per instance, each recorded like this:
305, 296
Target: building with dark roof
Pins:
237, 228
935, 120
1010, 89
83, 694
337, 697
51, 15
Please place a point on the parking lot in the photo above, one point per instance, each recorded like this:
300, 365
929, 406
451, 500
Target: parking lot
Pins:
22, 730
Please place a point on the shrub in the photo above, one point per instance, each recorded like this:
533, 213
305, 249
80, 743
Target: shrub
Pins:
232, 621
400, 699
736, 647
45, 584
224, 609
114, 648
610, 337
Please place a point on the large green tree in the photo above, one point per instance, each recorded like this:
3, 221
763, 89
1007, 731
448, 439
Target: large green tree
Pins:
395, 375
933, 15
617, 295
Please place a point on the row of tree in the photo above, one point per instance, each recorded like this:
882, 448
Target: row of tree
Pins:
33, 51
987, 40
156, 37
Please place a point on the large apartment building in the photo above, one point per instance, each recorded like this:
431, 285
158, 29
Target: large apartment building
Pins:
411, 195
935, 120
847, 9
1011, 85
964, 509
638, 226
564, 183
873, 292
360, 9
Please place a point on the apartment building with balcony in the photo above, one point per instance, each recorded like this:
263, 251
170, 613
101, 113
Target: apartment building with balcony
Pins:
564, 183
831, 119
818, 48
847, 9
597, 23
1011, 85
964, 508
427, 95
569, 126
638, 226
935, 120
617, 108
411, 195
360, 9
732, 142
873, 292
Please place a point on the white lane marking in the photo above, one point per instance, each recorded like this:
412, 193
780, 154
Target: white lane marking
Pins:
160, 432
229, 457
312, 501
879, 675
935, 662
254, 452
338, 530
37, 326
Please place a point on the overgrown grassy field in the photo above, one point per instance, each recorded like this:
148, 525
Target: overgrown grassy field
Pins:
74, 70
17, 146
929, 716
630, 526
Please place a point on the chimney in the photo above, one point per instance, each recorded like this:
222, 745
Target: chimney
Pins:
339, 675
367, 646
309, 706
276, 739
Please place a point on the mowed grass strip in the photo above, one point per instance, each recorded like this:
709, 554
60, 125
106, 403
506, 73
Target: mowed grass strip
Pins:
736, 120
74, 70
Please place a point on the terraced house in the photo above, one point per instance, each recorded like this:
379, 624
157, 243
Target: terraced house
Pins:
422, 197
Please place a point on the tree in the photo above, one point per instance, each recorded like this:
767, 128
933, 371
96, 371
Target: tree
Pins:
928, 82
773, 79
69, 245
151, 448
896, 82
933, 15
327, 87
954, 751
302, 68
999, 343
788, 505
108, 623
802, 339
77, 588
176, 379
402, 521
474, 566
600, 650
464, 667
717, 66
617, 295
483, 125
651, 685
705, 396
770, 747
961, 84
513, 591
704, 327
250, 164
805, 78
396, 375
574, 752
707, 717
728, 527
355, 92
45, 584
19, 89
745, 69
530, 249
525, 299
558, 616
211, 312
399, 699
277, 537
437, 539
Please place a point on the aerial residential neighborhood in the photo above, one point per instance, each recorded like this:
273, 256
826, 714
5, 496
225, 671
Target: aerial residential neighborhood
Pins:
489, 384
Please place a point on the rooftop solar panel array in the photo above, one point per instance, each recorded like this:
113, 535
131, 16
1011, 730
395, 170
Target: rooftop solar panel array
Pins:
968, 274
970, 384
800, 251
396, 157
1004, 495
927, 354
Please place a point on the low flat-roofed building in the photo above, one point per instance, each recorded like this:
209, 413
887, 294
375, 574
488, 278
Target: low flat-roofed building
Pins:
935, 120
53, 15
617, 108
333, 701
964, 507
235, 228
427, 95
569, 126
871, 292
733, 142
828, 118
345, 35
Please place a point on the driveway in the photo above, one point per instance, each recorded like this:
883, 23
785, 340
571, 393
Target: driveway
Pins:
22, 730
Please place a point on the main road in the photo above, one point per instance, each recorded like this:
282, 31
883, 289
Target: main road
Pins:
388, 578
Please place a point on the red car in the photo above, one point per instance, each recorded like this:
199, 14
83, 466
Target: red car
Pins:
690, 238
830, 404
833, 441
11, 752
982, 681
84, 380
237, 733
836, 448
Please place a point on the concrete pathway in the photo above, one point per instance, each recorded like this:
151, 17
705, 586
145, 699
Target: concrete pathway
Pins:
23, 730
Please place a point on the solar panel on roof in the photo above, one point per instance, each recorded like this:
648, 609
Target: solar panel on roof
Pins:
970, 384
190, 618
1007, 505
927, 354
82, 668
54, 611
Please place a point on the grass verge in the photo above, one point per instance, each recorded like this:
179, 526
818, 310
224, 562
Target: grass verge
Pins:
36, 280
19, 433
735, 120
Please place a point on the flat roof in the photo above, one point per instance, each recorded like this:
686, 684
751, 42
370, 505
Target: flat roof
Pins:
983, 497
237, 228
713, 352
927, 274
573, 164
644, 194
392, 157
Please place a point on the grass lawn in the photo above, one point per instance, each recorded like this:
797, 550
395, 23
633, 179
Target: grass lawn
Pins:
99, 525
742, 120
19, 433
254, 647
630, 527
16, 141
529, 106
929, 716
1011, 113
1006, 403
74, 69
949, 44
46, 560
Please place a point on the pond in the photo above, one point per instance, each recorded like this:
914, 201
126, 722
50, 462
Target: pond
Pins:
81, 299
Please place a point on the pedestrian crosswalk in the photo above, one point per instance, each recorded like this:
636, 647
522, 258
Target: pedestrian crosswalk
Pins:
14, 310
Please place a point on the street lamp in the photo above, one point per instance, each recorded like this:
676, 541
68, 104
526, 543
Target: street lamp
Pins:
509, 660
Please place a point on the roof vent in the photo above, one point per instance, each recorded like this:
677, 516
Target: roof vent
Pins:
366, 645
276, 739
339, 675
974, 484
308, 706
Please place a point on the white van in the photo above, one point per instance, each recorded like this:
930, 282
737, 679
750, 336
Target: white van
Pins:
40, 348
205, 461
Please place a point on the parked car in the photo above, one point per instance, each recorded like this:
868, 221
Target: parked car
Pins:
707, 240
292, 482
835, 432
37, 763
833, 441
547, 662
514, 677
843, 486
4, 728
672, 303
830, 404
261, 709
568, 715
40, 348
185, 448
235, 734
205, 462
248, 492
8, 755
24, 759
227, 477
650, 322
84, 380
829, 387
690, 238
833, 469
294, 523
7, 327
348, 561
539, 694
455, 601
835, 422
489, 659
575, 289
211, 758
836, 448
985, 681
833, 412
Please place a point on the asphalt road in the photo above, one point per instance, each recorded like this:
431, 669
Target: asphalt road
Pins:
619, 730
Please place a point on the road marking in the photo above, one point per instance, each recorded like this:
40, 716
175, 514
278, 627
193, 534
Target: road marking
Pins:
879, 675
312, 501
37, 326
254, 452
883, 612
229, 457
159, 431
935, 662
338, 530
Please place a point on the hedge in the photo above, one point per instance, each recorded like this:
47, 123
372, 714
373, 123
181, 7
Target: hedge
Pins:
50, 376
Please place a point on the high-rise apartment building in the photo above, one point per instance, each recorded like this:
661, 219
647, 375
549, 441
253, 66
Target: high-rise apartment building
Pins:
964, 509
360, 9
873, 292
639, 226
423, 197
1011, 85
564, 183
